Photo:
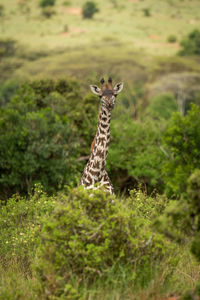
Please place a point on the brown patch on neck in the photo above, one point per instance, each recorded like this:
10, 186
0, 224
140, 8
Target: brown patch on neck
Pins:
93, 142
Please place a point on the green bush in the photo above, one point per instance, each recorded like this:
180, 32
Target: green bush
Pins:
7, 47
20, 222
89, 9
193, 196
7, 90
45, 131
39, 137
48, 12
162, 106
67, 2
45, 3
147, 12
88, 235
135, 154
191, 44
181, 219
171, 38
182, 142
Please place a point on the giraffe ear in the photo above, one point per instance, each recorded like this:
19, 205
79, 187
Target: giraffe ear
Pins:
95, 89
118, 88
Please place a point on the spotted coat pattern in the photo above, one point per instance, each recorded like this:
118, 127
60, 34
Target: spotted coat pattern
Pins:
95, 171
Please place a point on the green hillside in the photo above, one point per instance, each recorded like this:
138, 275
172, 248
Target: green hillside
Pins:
120, 34
117, 21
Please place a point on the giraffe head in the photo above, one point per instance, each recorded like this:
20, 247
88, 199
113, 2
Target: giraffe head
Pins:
107, 92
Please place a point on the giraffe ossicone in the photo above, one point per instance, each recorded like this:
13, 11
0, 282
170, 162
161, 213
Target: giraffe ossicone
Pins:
95, 171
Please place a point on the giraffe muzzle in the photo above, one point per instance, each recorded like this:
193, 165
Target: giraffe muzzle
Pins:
110, 106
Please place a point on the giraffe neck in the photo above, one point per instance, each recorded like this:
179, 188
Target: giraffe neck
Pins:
102, 139
95, 171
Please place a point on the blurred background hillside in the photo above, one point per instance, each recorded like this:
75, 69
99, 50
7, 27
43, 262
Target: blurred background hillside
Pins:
133, 40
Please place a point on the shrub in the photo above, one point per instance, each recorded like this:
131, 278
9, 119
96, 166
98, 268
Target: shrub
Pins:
191, 44
46, 3
147, 12
182, 139
193, 198
48, 12
89, 9
20, 222
87, 236
135, 156
45, 132
171, 38
7, 90
7, 47
181, 219
67, 2
38, 140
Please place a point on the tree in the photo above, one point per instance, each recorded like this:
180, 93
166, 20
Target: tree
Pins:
181, 219
182, 141
191, 44
89, 9
45, 3
135, 154
162, 106
38, 140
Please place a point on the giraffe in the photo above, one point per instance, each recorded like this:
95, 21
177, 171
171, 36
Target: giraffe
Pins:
95, 171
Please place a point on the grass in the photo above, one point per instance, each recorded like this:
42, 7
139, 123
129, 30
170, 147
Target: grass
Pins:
16, 282
125, 23
120, 41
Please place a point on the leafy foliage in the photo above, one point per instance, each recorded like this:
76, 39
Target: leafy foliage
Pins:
171, 38
87, 235
147, 12
89, 9
181, 219
162, 106
20, 222
135, 155
36, 137
182, 139
191, 44
7, 90
193, 193
46, 3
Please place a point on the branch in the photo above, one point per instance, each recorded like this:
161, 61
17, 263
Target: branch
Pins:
83, 158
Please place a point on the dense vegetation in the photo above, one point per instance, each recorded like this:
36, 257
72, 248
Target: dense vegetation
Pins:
58, 241
66, 237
